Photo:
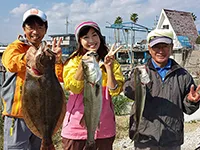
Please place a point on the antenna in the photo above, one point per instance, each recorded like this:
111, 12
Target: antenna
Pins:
156, 21
67, 24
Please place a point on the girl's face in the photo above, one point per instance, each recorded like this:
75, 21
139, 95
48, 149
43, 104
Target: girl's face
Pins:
90, 41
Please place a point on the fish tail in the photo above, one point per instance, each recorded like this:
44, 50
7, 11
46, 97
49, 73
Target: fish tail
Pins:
90, 145
47, 145
135, 136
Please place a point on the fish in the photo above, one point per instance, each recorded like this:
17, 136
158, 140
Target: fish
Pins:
43, 99
92, 98
141, 78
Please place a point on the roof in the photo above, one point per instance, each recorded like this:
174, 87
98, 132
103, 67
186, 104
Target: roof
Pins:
129, 26
61, 35
184, 41
182, 24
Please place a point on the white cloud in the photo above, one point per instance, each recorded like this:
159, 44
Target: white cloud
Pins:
79, 6
18, 11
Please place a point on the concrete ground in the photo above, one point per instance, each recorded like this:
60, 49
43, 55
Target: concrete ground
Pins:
194, 116
193, 66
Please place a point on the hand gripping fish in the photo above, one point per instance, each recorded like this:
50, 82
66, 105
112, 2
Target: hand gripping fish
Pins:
43, 99
141, 78
92, 98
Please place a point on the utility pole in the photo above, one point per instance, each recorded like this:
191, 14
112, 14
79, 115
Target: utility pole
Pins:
67, 24
155, 21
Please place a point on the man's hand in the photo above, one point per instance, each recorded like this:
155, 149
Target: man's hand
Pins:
194, 95
30, 54
57, 49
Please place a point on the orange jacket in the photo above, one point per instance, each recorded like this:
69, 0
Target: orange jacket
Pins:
14, 60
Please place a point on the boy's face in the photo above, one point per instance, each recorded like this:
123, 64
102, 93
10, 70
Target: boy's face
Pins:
35, 32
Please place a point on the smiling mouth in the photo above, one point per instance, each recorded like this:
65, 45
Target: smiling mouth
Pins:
160, 56
35, 37
92, 45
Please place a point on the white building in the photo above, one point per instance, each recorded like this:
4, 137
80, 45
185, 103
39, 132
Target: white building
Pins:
182, 24
184, 29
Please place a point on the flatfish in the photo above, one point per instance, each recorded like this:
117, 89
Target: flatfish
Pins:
43, 99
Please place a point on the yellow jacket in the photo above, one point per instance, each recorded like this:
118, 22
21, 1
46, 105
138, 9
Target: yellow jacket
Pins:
75, 86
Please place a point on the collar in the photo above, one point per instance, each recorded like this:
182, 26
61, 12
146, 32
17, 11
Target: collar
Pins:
167, 66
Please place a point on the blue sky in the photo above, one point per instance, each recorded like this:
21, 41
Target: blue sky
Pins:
101, 11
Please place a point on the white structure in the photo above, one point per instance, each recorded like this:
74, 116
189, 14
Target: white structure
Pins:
182, 24
2, 49
68, 44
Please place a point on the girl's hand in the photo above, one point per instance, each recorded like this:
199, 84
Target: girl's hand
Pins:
110, 57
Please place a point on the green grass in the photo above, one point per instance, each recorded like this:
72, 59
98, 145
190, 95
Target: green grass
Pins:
122, 105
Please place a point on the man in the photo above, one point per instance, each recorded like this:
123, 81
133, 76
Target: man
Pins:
16, 134
170, 92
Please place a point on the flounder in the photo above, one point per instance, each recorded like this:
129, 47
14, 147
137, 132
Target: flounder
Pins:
43, 99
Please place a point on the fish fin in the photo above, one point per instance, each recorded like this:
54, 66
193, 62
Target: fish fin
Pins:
98, 127
62, 115
82, 122
97, 89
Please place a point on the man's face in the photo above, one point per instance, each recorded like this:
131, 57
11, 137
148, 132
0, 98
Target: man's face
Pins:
34, 33
160, 53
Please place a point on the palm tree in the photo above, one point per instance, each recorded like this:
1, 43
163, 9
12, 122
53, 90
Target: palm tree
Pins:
118, 20
194, 16
134, 17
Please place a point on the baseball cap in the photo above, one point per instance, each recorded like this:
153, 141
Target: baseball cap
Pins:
160, 36
35, 12
83, 24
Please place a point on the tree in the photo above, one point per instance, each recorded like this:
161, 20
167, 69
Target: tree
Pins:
118, 20
194, 16
134, 17
198, 40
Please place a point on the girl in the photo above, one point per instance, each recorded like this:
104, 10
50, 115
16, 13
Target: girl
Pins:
89, 38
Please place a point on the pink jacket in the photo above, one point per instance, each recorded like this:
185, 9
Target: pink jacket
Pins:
75, 108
